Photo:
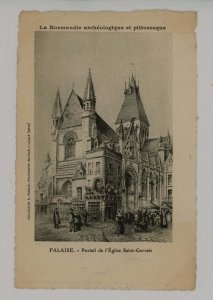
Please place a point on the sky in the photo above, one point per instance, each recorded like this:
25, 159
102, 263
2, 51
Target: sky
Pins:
62, 60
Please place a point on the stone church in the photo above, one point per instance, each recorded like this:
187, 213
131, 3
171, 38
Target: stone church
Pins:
93, 167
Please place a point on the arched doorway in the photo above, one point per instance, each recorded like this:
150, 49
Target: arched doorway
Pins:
67, 188
130, 183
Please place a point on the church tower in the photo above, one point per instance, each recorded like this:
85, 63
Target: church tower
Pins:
89, 127
56, 116
132, 123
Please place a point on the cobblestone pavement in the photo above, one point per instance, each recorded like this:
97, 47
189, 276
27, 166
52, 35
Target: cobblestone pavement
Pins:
98, 232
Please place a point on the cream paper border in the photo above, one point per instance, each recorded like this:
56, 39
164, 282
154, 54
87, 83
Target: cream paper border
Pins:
170, 265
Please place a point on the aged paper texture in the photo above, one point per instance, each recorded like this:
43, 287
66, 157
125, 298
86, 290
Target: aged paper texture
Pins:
106, 150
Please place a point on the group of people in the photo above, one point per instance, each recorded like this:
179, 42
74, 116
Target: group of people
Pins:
142, 220
76, 220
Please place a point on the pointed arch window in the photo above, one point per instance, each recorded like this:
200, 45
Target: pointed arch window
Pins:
70, 147
69, 142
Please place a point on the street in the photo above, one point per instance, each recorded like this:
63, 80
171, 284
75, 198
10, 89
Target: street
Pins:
98, 232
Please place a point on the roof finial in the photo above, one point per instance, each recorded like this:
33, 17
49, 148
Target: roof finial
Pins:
133, 82
168, 136
90, 74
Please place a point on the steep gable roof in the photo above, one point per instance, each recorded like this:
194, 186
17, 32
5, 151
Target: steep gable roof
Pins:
151, 145
71, 115
106, 130
132, 107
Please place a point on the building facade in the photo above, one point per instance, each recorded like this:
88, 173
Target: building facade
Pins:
96, 168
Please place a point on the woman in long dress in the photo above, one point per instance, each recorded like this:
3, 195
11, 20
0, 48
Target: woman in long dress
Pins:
120, 229
163, 218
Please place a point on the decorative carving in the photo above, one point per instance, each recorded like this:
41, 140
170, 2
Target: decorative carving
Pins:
81, 170
48, 158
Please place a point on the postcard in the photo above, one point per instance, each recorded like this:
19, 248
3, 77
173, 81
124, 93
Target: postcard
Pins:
106, 150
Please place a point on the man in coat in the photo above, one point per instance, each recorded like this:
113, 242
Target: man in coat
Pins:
56, 218
84, 217
71, 219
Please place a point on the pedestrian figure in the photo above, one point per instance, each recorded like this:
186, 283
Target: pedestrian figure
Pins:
146, 220
129, 218
84, 217
71, 219
77, 221
120, 229
163, 219
137, 225
132, 217
153, 216
169, 217
139, 214
56, 218
149, 218
126, 217
157, 220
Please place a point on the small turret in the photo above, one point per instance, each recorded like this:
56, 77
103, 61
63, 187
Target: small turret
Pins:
89, 126
132, 107
89, 94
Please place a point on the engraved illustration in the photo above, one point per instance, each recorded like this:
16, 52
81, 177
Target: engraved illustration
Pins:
103, 144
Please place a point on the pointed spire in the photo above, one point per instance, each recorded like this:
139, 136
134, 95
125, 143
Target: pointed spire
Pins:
73, 84
132, 82
57, 108
89, 93
125, 89
168, 137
